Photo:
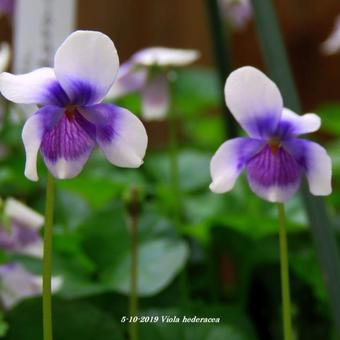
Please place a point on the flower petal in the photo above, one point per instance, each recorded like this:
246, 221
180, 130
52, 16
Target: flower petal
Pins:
32, 135
129, 79
163, 56
254, 100
67, 145
316, 163
292, 124
274, 175
155, 98
119, 133
38, 87
229, 160
24, 215
86, 65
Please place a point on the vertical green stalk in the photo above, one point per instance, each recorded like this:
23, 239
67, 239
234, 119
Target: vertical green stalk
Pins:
276, 59
177, 192
134, 278
286, 305
47, 261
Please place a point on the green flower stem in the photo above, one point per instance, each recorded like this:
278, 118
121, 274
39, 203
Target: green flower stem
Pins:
177, 194
275, 57
47, 262
286, 305
134, 277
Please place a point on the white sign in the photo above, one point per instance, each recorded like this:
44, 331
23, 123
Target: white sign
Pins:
40, 26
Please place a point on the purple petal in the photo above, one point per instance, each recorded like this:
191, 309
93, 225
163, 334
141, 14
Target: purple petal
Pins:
68, 144
229, 160
155, 98
274, 174
316, 163
129, 79
33, 132
119, 133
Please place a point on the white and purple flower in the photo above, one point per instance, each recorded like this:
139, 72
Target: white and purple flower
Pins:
16, 284
332, 44
22, 235
147, 71
273, 156
237, 12
71, 119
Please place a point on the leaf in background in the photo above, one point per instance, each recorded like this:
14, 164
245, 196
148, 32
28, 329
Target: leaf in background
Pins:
159, 261
330, 117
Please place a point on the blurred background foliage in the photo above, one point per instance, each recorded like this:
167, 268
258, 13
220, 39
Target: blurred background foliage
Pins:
226, 249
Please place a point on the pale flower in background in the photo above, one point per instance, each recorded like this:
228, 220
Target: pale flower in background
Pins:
16, 284
5, 56
332, 44
147, 72
238, 13
21, 235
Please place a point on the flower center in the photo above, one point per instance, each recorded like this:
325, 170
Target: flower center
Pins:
69, 111
274, 144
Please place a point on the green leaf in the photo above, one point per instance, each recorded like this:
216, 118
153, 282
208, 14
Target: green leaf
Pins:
159, 261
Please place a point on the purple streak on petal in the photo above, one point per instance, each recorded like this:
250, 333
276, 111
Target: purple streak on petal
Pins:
298, 148
69, 139
103, 117
56, 95
264, 127
84, 93
18, 237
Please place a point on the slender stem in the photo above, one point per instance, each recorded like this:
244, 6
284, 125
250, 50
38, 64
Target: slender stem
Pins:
286, 305
177, 195
134, 215
47, 263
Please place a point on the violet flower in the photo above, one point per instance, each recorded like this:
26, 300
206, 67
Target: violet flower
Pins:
71, 120
273, 156
147, 71
332, 43
22, 235
236, 12
16, 284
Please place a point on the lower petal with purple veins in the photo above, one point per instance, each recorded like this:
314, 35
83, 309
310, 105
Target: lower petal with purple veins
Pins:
274, 174
119, 133
67, 145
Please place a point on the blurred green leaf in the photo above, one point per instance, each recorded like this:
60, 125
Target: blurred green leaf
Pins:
159, 261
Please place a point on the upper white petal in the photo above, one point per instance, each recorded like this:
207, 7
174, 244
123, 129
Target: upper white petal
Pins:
89, 57
163, 56
254, 100
29, 88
